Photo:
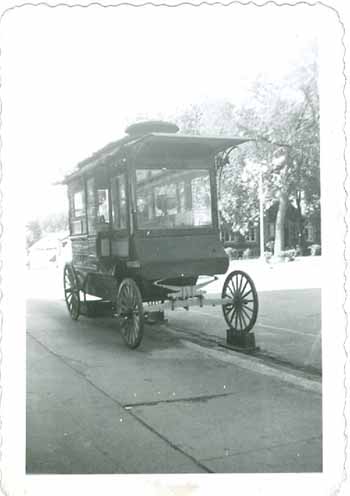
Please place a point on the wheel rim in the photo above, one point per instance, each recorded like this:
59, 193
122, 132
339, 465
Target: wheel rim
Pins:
71, 292
130, 311
241, 313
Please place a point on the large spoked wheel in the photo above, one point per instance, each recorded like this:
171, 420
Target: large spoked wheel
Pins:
130, 312
241, 313
71, 291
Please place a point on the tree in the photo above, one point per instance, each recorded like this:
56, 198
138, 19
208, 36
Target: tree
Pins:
238, 192
54, 222
283, 120
190, 121
283, 117
33, 232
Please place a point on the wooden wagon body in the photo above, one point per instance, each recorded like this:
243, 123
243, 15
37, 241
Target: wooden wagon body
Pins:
144, 226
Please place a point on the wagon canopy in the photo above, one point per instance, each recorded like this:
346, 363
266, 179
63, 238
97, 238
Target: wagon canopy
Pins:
185, 146
157, 144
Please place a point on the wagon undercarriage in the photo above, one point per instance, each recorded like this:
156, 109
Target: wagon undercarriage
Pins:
238, 300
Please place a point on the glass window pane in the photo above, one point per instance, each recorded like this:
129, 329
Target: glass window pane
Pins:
173, 198
103, 205
78, 202
119, 210
91, 206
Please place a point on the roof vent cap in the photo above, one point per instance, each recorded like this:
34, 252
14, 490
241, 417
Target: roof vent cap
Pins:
145, 127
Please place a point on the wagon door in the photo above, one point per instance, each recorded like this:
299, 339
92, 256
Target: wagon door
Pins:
119, 237
78, 223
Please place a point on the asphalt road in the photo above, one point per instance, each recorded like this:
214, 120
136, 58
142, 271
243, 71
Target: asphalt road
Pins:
178, 404
288, 326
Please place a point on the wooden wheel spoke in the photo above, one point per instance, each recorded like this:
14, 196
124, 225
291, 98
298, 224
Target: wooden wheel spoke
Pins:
232, 292
134, 331
239, 323
240, 284
244, 295
228, 308
246, 314
235, 284
243, 319
123, 306
245, 285
232, 315
237, 320
248, 308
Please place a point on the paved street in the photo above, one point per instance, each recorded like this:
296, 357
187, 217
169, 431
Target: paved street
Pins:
178, 404
288, 327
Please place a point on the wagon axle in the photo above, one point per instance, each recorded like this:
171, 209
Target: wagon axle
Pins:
239, 303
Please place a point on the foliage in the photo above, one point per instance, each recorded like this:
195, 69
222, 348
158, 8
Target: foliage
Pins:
237, 187
190, 121
238, 195
33, 232
50, 223
283, 119
54, 222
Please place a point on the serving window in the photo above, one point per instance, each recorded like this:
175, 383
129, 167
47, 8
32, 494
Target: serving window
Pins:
173, 198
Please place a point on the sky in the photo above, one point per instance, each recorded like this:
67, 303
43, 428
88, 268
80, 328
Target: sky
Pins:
73, 79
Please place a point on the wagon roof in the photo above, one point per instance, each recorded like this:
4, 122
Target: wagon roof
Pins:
214, 144
210, 144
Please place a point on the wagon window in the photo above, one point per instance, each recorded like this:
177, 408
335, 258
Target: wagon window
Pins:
103, 206
78, 214
91, 205
78, 202
168, 198
119, 211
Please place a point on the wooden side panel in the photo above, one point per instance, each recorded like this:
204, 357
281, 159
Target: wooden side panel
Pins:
120, 247
102, 285
80, 251
92, 252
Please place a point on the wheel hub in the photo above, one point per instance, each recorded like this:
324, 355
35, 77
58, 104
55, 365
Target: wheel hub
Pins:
237, 301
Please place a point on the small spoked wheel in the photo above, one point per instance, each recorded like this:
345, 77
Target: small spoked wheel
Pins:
130, 312
71, 291
242, 311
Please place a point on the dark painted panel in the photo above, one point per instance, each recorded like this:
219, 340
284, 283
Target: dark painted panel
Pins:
162, 257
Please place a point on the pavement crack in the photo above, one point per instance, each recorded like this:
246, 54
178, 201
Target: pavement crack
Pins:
192, 399
129, 412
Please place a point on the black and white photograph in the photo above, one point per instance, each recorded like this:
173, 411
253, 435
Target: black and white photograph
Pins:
174, 302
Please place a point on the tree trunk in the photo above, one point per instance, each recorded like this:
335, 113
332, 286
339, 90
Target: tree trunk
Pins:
280, 222
301, 240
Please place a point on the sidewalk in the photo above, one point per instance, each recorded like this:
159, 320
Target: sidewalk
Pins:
301, 273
